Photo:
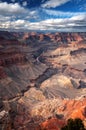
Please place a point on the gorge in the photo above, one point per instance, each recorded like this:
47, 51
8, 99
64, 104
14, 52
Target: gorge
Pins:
42, 79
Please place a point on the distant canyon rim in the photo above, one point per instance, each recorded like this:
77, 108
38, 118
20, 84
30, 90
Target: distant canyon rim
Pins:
42, 79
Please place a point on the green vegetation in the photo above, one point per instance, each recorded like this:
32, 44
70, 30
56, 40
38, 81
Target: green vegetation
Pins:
75, 124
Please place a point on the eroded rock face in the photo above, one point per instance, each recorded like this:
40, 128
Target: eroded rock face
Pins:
2, 73
60, 37
42, 79
53, 124
5, 121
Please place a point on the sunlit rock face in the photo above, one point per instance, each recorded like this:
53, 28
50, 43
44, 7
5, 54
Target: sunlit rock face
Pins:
42, 79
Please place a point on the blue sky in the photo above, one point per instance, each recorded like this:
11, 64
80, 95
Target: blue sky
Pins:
43, 15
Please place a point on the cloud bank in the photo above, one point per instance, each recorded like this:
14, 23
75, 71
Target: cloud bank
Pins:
54, 3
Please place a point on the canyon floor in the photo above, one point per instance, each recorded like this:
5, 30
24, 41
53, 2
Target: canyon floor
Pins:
42, 80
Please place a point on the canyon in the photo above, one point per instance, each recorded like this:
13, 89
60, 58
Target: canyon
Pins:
42, 79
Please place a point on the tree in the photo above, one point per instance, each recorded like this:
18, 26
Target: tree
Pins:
75, 124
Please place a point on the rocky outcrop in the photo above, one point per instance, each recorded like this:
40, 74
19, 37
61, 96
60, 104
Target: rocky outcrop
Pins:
55, 37
52, 124
5, 121
2, 73
11, 59
62, 109
53, 113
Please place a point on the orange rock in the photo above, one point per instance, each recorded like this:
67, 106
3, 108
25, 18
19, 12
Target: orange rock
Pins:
52, 124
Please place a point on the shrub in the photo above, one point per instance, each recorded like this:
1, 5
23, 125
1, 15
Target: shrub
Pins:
75, 124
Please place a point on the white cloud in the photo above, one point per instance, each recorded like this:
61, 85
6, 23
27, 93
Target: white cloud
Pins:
3, 19
17, 24
62, 14
24, 3
79, 17
54, 3
67, 24
74, 23
11, 9
15, 11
